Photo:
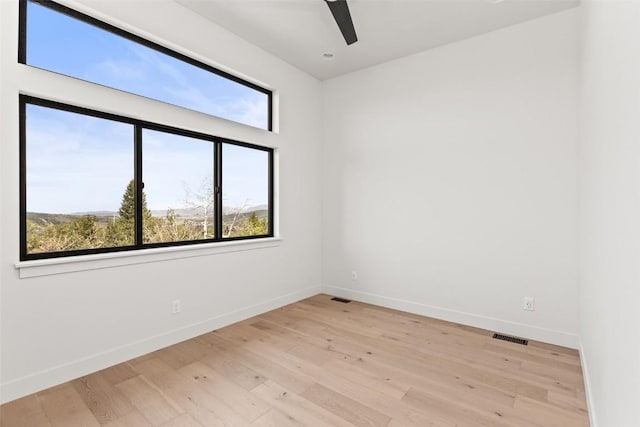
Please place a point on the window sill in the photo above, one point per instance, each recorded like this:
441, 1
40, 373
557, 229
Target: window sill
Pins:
46, 267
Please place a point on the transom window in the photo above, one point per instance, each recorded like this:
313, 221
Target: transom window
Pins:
56, 38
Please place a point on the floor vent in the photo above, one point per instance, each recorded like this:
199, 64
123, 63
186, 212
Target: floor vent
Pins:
516, 340
346, 301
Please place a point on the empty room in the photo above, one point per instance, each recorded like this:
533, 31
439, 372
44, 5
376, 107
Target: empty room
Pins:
319, 213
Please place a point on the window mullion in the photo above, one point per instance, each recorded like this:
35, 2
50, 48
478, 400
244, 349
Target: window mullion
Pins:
217, 185
22, 32
270, 229
23, 177
139, 185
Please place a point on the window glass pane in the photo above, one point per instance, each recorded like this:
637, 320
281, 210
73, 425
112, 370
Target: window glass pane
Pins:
78, 174
69, 46
178, 184
245, 191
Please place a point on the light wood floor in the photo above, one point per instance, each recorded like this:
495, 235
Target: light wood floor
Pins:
323, 363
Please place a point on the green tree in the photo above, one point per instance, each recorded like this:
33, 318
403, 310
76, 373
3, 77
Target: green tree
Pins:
121, 232
170, 229
245, 225
86, 232
254, 226
127, 209
84, 228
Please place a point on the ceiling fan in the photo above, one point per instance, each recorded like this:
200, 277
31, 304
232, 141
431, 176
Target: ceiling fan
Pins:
340, 11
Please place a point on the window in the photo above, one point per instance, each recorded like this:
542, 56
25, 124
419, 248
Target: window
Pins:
77, 167
59, 39
178, 174
95, 182
245, 195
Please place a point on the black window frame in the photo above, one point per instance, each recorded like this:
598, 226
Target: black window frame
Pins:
22, 51
138, 126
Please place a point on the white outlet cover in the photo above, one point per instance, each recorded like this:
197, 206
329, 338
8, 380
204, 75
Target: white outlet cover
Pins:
529, 304
175, 306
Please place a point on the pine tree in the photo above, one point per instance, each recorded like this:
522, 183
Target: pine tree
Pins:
121, 231
128, 205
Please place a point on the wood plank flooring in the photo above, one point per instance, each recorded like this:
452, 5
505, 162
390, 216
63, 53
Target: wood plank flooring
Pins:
323, 363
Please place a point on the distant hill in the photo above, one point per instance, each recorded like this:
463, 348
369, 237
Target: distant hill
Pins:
257, 208
95, 213
42, 218
259, 213
106, 216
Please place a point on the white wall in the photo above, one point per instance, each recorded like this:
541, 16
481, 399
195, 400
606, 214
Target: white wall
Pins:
610, 209
57, 327
450, 186
451, 181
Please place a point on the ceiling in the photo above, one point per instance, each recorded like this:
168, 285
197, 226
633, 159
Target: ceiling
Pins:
301, 31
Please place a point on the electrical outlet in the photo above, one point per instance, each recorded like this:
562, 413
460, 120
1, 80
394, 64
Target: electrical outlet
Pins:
354, 275
175, 306
529, 303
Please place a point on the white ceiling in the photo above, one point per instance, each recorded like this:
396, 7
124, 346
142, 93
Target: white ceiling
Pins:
300, 31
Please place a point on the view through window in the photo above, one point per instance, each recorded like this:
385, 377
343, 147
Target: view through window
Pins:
245, 191
78, 168
93, 182
178, 184
81, 194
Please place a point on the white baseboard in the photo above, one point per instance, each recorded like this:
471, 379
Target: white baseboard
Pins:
561, 338
37, 381
587, 387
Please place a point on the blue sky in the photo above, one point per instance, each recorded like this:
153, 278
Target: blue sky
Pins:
77, 163
63, 44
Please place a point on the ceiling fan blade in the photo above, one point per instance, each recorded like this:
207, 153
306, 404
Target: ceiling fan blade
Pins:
340, 11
